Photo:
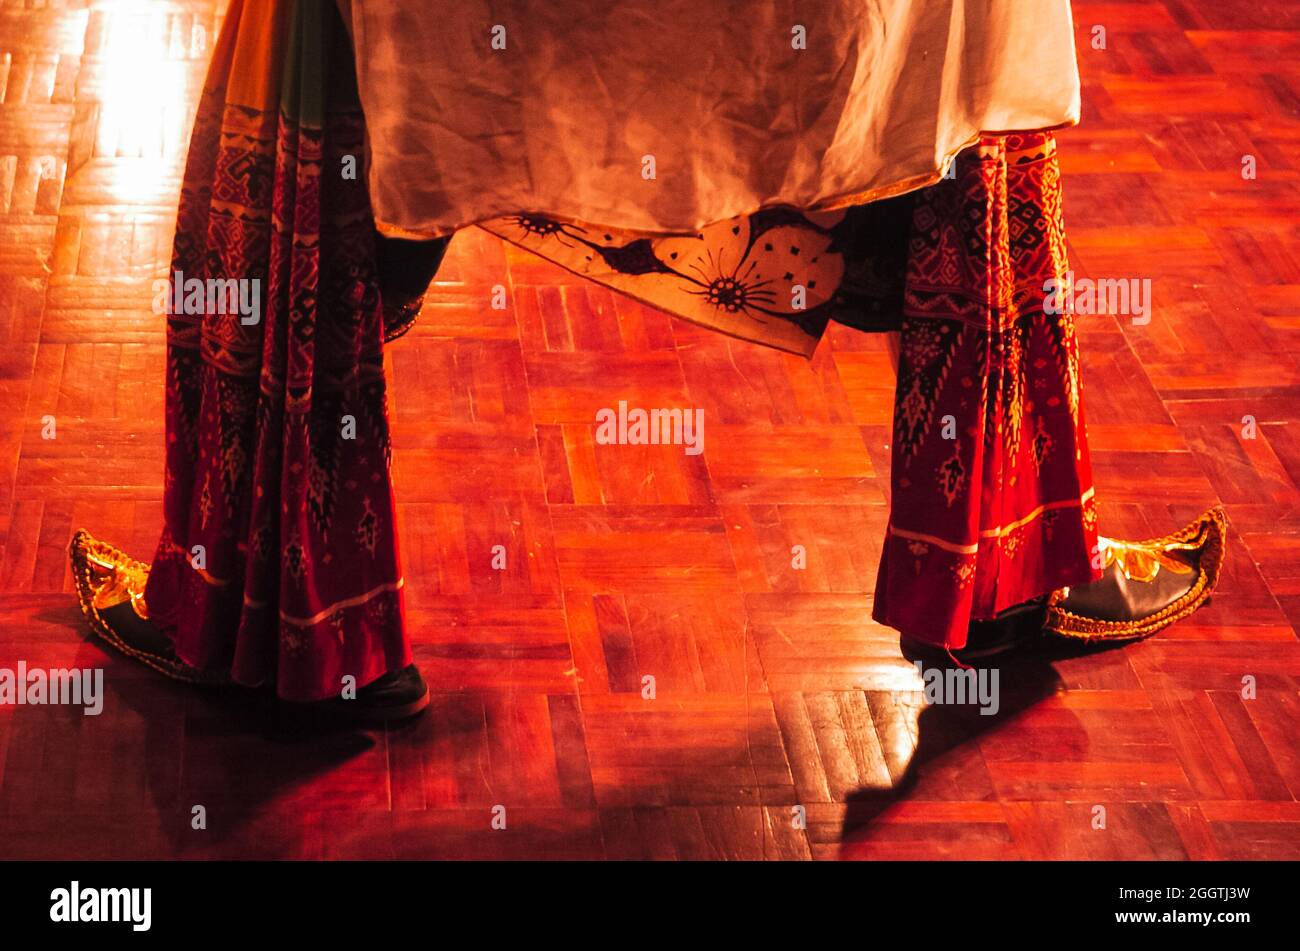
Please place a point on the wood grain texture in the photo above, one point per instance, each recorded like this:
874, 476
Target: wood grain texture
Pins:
784, 723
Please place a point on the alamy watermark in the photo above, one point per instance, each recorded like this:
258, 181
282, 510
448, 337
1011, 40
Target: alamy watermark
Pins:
961, 686
236, 296
74, 904
654, 427
58, 687
1129, 296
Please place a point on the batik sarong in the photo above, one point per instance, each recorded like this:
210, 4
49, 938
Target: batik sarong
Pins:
279, 557
992, 500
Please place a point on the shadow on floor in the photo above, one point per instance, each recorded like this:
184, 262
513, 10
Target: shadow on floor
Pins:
947, 764
126, 783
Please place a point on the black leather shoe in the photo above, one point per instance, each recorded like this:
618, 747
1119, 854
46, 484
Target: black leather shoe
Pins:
1145, 586
1014, 628
397, 695
110, 589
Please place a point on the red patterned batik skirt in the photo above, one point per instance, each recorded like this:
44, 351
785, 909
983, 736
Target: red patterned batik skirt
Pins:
279, 562
992, 486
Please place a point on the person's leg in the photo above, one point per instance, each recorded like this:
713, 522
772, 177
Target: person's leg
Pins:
993, 528
992, 501
278, 564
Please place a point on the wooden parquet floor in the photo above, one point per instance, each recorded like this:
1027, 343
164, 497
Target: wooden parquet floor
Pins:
773, 688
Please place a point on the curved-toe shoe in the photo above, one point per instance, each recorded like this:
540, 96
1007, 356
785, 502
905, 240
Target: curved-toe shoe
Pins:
1145, 586
110, 588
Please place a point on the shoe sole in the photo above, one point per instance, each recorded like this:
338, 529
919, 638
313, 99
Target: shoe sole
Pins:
343, 713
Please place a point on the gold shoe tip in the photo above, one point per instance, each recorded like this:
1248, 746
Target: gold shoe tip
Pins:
105, 576
1206, 535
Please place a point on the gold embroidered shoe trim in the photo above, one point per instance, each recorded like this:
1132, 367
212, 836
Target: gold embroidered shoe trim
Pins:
1142, 561
400, 317
106, 577
117, 579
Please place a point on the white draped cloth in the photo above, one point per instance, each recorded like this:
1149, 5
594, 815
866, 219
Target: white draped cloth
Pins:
662, 116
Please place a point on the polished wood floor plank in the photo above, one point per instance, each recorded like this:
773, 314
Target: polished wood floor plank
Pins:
637, 652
